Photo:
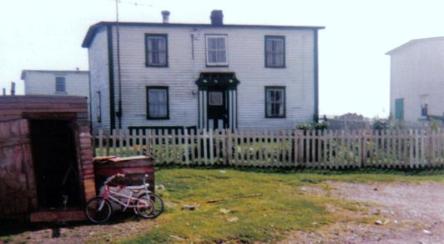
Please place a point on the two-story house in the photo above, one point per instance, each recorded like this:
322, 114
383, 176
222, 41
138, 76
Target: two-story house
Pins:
151, 75
56, 82
417, 80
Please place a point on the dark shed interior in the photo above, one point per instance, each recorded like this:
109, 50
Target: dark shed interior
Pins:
55, 164
46, 171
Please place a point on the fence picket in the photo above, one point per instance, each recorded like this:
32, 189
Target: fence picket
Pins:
279, 148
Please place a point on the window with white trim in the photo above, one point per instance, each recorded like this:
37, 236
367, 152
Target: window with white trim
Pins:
216, 50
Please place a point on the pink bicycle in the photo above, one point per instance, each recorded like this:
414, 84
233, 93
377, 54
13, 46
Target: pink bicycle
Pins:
143, 202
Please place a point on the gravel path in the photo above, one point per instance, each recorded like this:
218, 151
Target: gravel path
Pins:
404, 213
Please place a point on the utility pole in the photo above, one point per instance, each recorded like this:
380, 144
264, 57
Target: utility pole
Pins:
12, 88
119, 76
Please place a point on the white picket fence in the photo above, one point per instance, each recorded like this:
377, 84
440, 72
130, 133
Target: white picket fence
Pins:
284, 148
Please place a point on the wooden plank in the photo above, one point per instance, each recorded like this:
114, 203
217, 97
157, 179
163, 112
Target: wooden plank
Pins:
186, 147
229, 147
211, 147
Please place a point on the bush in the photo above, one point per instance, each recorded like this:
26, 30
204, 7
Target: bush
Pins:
313, 126
380, 125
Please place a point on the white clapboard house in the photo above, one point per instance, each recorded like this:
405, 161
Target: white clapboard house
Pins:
216, 75
417, 80
56, 82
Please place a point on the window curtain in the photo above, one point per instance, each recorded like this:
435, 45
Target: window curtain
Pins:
275, 51
157, 50
157, 103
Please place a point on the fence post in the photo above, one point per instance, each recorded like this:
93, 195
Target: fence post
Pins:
185, 146
295, 148
363, 148
228, 147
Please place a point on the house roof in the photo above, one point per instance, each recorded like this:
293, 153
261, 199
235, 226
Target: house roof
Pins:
412, 43
94, 28
23, 75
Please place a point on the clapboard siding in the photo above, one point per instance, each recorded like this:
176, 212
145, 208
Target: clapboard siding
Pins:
40, 82
246, 59
417, 71
98, 64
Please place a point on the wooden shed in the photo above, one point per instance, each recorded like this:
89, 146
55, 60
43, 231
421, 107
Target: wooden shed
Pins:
46, 170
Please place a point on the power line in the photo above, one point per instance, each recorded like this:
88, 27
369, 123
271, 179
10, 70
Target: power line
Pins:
134, 3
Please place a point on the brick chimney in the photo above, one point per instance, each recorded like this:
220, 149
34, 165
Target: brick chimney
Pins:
165, 16
217, 18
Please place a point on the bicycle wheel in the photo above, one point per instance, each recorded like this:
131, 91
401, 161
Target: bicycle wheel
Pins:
156, 208
98, 210
144, 207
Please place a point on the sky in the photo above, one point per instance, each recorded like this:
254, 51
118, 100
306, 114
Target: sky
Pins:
354, 71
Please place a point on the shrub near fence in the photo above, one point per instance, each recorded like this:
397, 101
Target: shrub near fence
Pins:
285, 148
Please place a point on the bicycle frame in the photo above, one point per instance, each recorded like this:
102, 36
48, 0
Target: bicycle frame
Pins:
114, 197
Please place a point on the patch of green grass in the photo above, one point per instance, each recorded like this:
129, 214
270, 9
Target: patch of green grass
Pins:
250, 205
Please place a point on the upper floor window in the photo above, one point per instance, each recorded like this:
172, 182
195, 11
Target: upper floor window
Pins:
274, 51
275, 102
156, 50
216, 50
60, 84
157, 102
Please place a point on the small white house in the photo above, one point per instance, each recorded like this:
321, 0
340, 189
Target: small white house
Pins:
170, 75
56, 82
417, 80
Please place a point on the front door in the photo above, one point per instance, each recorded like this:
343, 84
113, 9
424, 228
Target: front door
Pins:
217, 104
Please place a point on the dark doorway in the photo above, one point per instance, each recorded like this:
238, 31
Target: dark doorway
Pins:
55, 164
217, 108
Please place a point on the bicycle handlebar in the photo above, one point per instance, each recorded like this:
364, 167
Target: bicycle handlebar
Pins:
109, 179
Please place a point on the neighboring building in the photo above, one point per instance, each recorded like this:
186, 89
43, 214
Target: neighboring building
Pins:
56, 82
146, 75
417, 80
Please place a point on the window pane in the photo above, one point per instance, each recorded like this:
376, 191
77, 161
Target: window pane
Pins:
215, 98
162, 58
268, 45
157, 50
221, 57
212, 57
216, 50
275, 52
212, 43
158, 104
221, 43
162, 44
60, 84
275, 102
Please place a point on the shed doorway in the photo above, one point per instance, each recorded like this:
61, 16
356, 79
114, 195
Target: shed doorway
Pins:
55, 164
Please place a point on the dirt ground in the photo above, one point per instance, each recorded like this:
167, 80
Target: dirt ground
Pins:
400, 213
126, 227
397, 213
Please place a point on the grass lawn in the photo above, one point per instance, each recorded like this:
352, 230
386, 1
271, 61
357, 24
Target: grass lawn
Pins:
251, 205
